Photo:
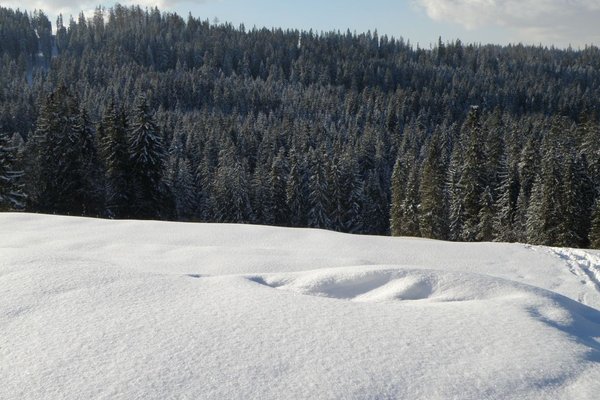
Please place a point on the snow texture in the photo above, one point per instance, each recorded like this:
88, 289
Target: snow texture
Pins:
154, 310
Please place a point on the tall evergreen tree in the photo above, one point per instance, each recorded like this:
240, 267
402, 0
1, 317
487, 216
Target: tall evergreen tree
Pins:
11, 190
399, 179
433, 220
231, 191
318, 197
55, 169
117, 162
594, 236
278, 184
297, 192
89, 191
148, 156
411, 206
485, 232
180, 180
506, 204
471, 181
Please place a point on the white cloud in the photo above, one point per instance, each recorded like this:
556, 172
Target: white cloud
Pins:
558, 22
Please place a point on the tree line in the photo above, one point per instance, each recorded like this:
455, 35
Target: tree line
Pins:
140, 114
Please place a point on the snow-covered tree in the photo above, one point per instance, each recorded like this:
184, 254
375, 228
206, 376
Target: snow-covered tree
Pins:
148, 155
11, 190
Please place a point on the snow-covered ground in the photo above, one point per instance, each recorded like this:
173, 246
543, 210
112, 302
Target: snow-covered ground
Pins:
94, 309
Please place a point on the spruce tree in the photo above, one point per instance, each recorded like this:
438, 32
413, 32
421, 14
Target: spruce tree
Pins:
277, 187
231, 190
55, 168
471, 181
89, 191
11, 189
433, 220
545, 215
455, 196
117, 162
485, 231
336, 195
527, 170
506, 204
180, 180
318, 196
296, 192
410, 206
352, 194
148, 155
399, 178
594, 236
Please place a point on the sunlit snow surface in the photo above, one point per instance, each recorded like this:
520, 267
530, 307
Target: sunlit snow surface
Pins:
93, 309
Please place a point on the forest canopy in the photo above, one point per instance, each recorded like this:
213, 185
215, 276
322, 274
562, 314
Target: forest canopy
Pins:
137, 113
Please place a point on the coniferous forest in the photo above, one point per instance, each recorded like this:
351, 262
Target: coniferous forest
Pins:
134, 113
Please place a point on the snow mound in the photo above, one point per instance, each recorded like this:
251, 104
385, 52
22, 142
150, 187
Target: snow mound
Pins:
378, 284
397, 284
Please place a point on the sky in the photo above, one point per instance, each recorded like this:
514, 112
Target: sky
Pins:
549, 22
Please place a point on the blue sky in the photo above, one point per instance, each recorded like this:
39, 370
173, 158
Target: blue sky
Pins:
550, 22
394, 18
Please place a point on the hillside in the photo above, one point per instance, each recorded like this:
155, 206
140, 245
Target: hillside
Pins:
155, 310
351, 132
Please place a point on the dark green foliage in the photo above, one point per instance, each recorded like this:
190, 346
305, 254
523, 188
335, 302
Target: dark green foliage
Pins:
297, 192
62, 174
115, 153
594, 236
433, 221
11, 191
505, 216
485, 228
352, 132
147, 157
472, 175
399, 179
318, 195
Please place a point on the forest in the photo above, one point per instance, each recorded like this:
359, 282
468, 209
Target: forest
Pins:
138, 113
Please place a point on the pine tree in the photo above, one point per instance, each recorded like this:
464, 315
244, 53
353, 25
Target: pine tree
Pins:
336, 195
352, 194
231, 191
179, 179
506, 204
471, 178
55, 169
544, 214
148, 156
485, 232
318, 197
594, 236
399, 179
11, 189
455, 197
528, 170
88, 191
433, 220
277, 184
117, 162
261, 198
585, 199
410, 206
296, 192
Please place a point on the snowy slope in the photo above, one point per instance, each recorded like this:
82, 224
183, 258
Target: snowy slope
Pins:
154, 310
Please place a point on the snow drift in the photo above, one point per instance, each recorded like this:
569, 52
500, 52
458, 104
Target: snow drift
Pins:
154, 310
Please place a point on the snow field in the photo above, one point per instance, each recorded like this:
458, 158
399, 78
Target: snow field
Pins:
150, 310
